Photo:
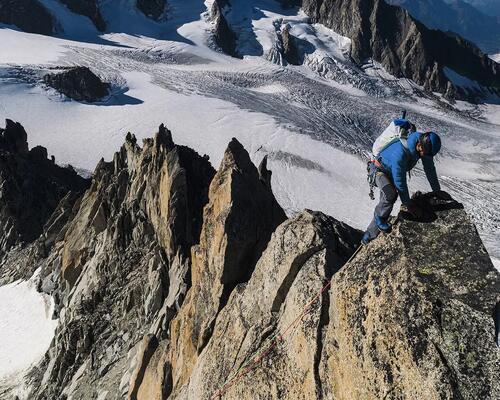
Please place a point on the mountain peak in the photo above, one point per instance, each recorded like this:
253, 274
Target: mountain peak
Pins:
189, 272
404, 46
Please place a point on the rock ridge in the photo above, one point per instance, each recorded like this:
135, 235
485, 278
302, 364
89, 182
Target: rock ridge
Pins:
32, 187
78, 83
29, 15
404, 46
224, 36
176, 281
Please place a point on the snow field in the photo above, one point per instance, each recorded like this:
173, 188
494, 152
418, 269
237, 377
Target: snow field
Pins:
26, 326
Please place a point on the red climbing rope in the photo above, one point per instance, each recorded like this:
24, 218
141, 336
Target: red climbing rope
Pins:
233, 381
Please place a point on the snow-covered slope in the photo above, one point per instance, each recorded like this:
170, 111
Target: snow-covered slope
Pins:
26, 327
495, 57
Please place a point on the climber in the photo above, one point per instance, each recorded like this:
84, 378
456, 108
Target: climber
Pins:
388, 171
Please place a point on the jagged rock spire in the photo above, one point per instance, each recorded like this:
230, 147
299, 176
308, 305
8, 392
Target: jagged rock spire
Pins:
13, 138
171, 279
238, 222
23, 213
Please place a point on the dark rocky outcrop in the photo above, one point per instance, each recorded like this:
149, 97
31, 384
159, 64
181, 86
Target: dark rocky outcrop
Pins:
153, 9
87, 8
174, 281
29, 15
224, 37
31, 187
290, 51
404, 46
78, 83
119, 267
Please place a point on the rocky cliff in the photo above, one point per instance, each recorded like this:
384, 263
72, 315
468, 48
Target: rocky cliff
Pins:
460, 17
404, 46
78, 83
28, 15
32, 16
32, 187
224, 36
176, 281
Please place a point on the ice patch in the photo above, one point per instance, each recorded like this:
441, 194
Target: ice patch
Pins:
270, 89
26, 327
326, 42
496, 263
495, 57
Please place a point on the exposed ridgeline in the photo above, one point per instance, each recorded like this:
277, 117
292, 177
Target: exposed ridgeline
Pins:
28, 15
404, 46
457, 16
124, 264
173, 279
32, 188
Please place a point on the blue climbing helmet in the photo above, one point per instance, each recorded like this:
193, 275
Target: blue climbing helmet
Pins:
431, 143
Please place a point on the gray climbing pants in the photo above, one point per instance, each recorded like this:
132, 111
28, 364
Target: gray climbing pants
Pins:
388, 196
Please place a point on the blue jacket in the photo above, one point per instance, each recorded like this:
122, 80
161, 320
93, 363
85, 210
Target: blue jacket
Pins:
397, 162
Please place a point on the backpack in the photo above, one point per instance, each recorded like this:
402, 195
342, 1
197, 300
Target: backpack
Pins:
398, 130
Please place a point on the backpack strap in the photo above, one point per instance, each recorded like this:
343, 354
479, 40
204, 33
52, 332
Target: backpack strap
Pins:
404, 142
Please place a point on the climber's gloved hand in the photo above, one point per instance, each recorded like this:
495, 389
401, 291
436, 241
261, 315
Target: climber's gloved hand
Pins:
442, 195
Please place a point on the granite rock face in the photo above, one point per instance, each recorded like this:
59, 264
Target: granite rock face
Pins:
302, 255
28, 15
78, 83
290, 52
413, 315
224, 37
120, 269
404, 46
176, 281
238, 222
32, 186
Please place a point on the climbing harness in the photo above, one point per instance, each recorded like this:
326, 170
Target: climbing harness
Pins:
373, 167
245, 368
